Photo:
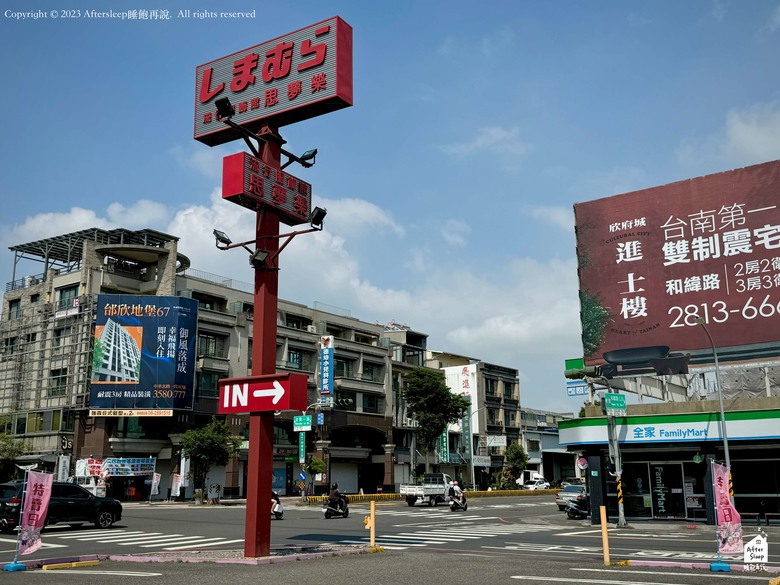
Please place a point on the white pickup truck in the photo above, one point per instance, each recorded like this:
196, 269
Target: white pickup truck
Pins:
434, 488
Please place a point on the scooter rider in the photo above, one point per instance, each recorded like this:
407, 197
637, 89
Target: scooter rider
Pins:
334, 498
458, 492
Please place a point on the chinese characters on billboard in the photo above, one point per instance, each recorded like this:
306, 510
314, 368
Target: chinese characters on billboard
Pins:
326, 365
654, 262
36, 504
288, 79
143, 360
249, 182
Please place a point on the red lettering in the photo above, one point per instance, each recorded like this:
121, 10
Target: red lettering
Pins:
318, 82
299, 205
294, 89
271, 97
319, 52
242, 72
278, 62
256, 184
205, 83
279, 195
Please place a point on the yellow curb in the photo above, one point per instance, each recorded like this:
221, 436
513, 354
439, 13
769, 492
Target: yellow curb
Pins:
374, 549
69, 565
775, 581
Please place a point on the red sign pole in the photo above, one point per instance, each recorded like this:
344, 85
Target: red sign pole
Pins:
257, 531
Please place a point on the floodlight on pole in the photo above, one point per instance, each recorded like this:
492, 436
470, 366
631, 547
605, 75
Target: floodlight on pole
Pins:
317, 216
222, 238
258, 259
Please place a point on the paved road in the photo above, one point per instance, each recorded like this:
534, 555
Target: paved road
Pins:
492, 528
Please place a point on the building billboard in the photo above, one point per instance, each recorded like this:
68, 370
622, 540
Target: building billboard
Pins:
143, 360
294, 77
249, 182
653, 262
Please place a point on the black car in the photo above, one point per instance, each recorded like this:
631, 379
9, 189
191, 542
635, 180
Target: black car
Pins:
69, 504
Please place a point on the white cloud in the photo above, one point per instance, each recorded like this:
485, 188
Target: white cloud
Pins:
455, 232
560, 217
204, 161
141, 214
46, 225
493, 139
718, 11
752, 135
357, 216
749, 135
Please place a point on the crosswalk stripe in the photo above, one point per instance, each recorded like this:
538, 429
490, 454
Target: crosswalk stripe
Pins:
198, 540
100, 533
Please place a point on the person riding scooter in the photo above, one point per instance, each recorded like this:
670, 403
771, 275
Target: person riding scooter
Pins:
334, 498
458, 492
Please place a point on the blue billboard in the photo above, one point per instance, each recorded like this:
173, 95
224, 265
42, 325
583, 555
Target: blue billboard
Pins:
143, 359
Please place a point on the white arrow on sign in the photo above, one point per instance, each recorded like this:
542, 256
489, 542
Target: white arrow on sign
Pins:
277, 392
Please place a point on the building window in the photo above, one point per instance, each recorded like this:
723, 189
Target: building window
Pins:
35, 298
343, 368
59, 382
208, 385
43, 421
491, 387
509, 419
31, 337
509, 390
372, 403
533, 446
14, 309
9, 345
295, 359
67, 296
56, 336
249, 355
212, 345
372, 372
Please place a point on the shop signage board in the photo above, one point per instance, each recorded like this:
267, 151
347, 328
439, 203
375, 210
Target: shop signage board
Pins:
270, 392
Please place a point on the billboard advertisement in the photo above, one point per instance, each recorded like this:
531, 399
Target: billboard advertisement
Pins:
248, 181
652, 263
143, 360
294, 77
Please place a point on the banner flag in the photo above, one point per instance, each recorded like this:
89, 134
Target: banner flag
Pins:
36, 503
729, 520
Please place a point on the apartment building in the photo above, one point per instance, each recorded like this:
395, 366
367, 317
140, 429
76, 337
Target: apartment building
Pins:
48, 363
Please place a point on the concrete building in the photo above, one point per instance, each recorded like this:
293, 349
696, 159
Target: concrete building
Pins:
47, 364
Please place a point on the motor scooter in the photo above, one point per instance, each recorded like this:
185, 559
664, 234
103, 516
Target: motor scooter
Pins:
277, 509
458, 503
578, 508
341, 508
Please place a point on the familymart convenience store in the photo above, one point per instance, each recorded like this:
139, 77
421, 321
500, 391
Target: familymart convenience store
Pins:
665, 461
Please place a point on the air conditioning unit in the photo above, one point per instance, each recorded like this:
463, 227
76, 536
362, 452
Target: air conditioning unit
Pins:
311, 329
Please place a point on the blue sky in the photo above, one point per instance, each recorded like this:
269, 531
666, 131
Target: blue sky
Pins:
450, 182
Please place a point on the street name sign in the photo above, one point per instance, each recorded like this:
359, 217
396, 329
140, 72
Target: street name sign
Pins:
263, 393
301, 423
615, 404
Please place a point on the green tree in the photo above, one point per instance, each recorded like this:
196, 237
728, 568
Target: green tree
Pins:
208, 446
516, 460
10, 449
432, 404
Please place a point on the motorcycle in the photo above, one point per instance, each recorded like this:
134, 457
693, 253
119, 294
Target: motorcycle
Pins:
341, 508
578, 509
277, 509
458, 503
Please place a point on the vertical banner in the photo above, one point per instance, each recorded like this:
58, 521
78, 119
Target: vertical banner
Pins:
175, 485
729, 520
326, 365
465, 426
156, 477
36, 503
444, 447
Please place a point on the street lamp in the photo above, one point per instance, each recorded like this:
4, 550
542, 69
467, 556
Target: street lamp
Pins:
473, 470
722, 420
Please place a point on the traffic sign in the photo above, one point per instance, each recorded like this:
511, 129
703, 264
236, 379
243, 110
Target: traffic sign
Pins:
270, 392
302, 423
301, 447
615, 403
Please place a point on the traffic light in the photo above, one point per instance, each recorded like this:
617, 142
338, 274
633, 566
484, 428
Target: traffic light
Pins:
343, 402
605, 371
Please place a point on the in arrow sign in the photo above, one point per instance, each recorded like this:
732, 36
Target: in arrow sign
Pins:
277, 392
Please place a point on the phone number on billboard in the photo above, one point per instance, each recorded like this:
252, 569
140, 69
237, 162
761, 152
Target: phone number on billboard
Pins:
718, 312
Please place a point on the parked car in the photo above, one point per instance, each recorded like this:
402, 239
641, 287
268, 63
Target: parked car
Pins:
572, 481
536, 484
69, 504
570, 492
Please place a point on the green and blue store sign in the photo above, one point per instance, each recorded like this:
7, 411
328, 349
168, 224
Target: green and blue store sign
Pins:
755, 425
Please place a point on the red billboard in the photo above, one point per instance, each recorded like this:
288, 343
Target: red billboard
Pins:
291, 78
249, 182
652, 262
